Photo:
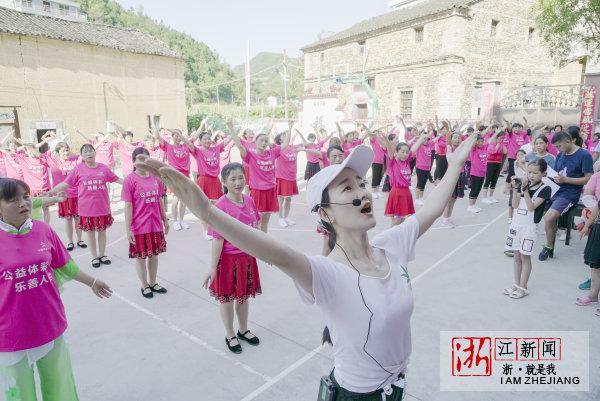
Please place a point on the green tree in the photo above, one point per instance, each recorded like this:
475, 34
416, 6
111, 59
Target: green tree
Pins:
568, 25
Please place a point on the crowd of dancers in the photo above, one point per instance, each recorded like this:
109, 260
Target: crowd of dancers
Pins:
548, 171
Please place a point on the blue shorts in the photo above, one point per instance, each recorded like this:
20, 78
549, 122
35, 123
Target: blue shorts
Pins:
561, 205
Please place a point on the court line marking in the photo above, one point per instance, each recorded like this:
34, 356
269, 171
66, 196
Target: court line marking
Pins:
107, 245
308, 356
192, 338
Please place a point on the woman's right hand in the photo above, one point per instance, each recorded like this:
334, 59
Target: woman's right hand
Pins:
130, 237
208, 278
183, 188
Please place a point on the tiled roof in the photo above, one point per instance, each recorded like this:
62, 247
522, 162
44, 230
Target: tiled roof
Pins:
127, 40
388, 21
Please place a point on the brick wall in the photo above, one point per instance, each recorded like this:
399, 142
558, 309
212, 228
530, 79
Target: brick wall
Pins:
66, 81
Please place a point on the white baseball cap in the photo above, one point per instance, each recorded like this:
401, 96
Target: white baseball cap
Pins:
359, 160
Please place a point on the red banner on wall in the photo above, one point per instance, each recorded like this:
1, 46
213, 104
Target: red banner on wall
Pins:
588, 107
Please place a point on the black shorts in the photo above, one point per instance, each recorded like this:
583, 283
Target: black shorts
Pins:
476, 184
492, 173
591, 255
422, 177
511, 169
377, 169
441, 165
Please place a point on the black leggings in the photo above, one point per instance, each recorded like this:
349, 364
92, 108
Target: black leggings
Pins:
492, 172
511, 169
422, 177
377, 170
441, 165
476, 184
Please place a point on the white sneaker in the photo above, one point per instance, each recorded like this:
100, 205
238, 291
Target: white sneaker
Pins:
419, 202
487, 201
185, 225
376, 195
473, 209
290, 222
493, 200
509, 220
207, 236
177, 226
562, 235
448, 223
283, 223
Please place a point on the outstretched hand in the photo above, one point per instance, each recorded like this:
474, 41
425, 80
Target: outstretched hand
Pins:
460, 155
189, 193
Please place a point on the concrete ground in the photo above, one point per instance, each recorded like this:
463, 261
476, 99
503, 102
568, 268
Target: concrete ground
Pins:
172, 347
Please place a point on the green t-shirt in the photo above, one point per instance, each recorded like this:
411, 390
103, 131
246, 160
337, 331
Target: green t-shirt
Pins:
36, 209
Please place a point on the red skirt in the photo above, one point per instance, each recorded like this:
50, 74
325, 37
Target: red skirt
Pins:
286, 187
265, 200
399, 203
68, 208
236, 278
146, 245
96, 223
211, 186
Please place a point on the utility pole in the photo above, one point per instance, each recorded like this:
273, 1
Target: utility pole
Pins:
247, 78
285, 79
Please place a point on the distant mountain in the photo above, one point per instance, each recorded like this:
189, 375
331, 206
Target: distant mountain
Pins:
270, 82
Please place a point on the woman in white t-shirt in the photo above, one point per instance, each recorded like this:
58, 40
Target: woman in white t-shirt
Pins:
363, 286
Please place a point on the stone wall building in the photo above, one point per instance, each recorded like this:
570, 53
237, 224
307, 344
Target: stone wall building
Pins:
456, 58
61, 73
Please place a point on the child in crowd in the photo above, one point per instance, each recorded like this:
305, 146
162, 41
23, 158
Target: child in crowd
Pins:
478, 159
400, 202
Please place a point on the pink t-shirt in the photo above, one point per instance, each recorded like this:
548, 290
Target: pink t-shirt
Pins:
91, 188
424, 156
178, 156
440, 145
60, 168
157, 153
31, 311
379, 153
249, 146
35, 172
208, 159
144, 194
245, 213
349, 146
514, 142
495, 152
399, 172
324, 159
478, 159
551, 148
314, 146
594, 185
262, 167
125, 155
286, 165
225, 157
13, 167
104, 152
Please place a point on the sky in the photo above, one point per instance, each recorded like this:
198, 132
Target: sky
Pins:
270, 25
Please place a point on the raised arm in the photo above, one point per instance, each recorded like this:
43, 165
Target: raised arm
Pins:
418, 143
287, 138
437, 200
236, 139
246, 238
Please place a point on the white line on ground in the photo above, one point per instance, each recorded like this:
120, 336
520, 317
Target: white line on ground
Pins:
282, 374
308, 356
192, 337
107, 245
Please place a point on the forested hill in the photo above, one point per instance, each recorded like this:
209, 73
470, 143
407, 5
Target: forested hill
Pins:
203, 66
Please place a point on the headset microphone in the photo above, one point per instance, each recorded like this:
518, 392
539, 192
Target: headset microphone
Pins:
356, 202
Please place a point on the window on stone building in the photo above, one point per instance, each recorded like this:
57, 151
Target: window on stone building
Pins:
322, 56
371, 82
419, 34
406, 100
28, 3
361, 47
531, 32
494, 30
63, 9
46, 6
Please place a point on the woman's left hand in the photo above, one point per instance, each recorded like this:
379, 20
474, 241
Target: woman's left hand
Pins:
101, 289
166, 226
460, 155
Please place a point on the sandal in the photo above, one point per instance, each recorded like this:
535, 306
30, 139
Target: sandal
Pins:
70, 246
81, 244
157, 288
104, 260
519, 293
250, 340
510, 290
585, 301
147, 292
236, 349
96, 263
